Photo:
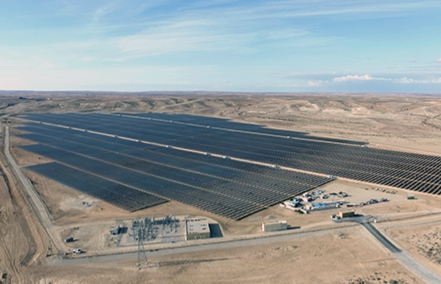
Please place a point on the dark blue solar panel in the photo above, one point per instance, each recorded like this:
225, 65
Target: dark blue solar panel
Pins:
119, 195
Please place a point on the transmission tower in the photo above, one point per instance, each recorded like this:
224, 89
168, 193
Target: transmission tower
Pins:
141, 250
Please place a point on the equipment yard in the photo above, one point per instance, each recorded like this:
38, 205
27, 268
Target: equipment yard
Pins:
155, 193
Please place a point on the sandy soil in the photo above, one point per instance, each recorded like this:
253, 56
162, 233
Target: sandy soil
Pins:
23, 242
421, 237
337, 258
13, 244
22, 157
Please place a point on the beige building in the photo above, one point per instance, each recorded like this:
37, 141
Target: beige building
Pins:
274, 226
346, 214
197, 229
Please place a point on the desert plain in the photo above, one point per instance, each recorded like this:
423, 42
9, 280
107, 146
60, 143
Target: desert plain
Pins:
320, 251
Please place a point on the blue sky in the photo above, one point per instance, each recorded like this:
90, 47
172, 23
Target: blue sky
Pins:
221, 45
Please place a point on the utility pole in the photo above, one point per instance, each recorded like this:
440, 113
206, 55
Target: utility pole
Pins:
141, 250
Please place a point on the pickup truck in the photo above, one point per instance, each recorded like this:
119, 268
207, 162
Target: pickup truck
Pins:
77, 251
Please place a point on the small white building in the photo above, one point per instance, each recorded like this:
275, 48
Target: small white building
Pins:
274, 226
307, 199
197, 229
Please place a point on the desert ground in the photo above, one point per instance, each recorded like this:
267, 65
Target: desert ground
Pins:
323, 253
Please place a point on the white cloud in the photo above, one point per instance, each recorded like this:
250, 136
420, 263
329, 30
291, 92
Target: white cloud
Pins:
294, 9
308, 84
104, 10
286, 34
438, 60
110, 78
367, 77
304, 84
224, 84
358, 78
315, 83
13, 60
194, 35
352, 78
406, 80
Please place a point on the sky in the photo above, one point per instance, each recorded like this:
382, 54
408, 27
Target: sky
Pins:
221, 45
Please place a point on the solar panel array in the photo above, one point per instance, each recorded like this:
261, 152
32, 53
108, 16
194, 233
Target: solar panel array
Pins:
121, 196
230, 125
348, 160
162, 129
225, 187
392, 168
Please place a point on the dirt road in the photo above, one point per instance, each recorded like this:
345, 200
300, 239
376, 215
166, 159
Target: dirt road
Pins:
29, 192
23, 242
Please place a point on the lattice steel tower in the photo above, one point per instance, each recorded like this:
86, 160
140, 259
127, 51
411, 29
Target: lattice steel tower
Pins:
141, 250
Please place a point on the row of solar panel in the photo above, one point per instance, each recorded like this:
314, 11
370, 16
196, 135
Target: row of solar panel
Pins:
165, 135
47, 134
406, 170
234, 187
77, 120
208, 144
119, 195
247, 187
207, 200
227, 124
217, 204
415, 178
371, 157
198, 120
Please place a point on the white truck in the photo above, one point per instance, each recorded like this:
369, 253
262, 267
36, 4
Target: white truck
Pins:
77, 251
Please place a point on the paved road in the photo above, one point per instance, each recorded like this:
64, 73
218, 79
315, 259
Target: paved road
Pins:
421, 271
403, 257
381, 238
57, 261
30, 194
407, 260
364, 221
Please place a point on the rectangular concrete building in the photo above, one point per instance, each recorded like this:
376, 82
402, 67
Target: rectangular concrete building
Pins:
346, 214
197, 229
274, 226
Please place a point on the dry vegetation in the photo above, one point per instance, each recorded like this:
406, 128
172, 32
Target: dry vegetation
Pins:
429, 244
376, 278
412, 122
421, 237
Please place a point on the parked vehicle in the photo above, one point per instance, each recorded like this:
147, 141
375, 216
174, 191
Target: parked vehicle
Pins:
77, 251
69, 240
